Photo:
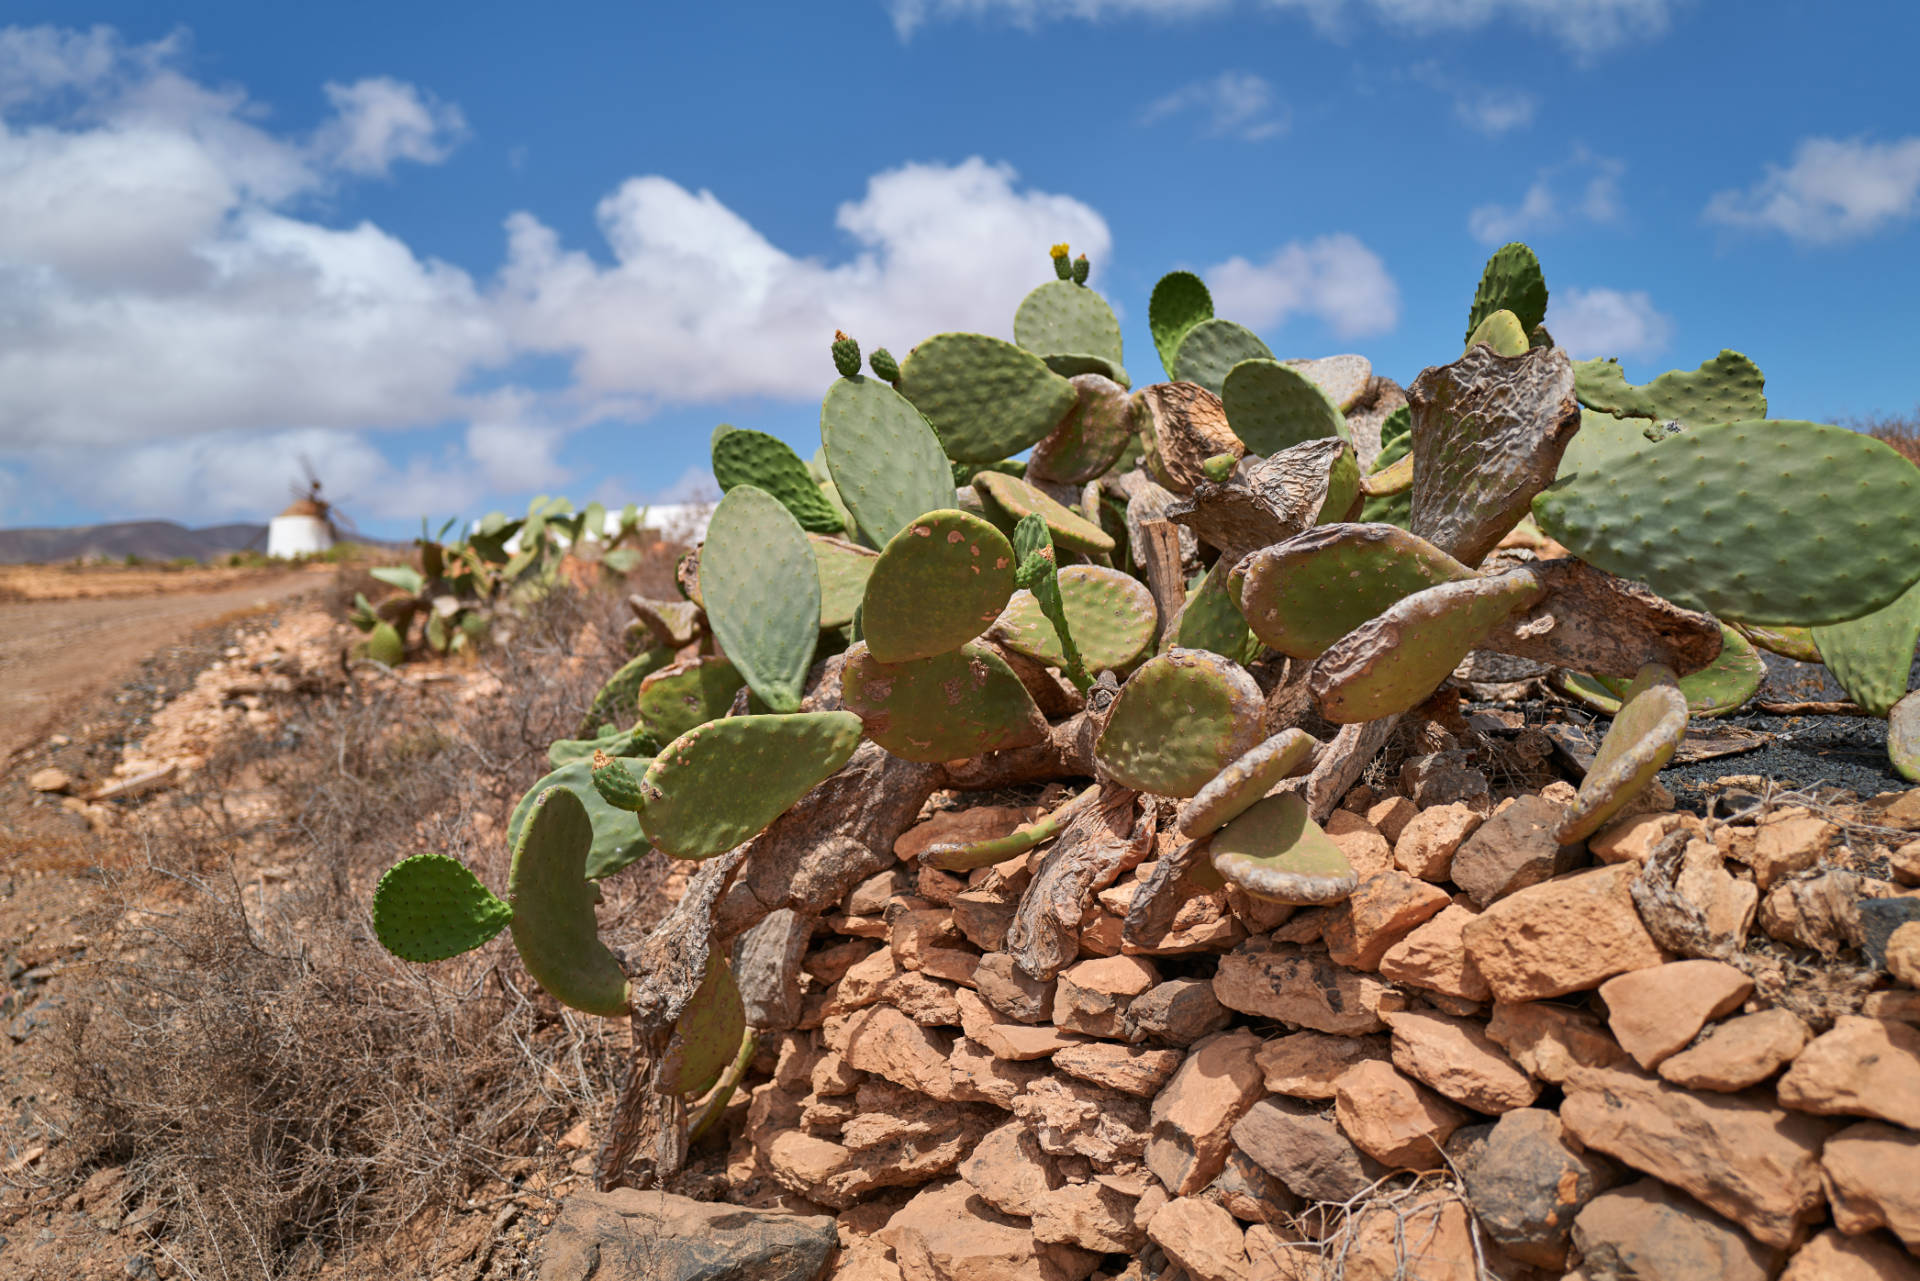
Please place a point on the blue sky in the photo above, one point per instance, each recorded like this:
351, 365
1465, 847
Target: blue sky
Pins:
461, 254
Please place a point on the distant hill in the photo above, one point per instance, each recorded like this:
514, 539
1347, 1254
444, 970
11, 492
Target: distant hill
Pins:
147, 539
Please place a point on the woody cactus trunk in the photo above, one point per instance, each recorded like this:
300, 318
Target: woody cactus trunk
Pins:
1160, 600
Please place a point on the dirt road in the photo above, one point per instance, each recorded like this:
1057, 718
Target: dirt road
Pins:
54, 654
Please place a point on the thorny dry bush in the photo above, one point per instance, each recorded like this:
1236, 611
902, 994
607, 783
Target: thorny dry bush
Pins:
281, 1091
1902, 433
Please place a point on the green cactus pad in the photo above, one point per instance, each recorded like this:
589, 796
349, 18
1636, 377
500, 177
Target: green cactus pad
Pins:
1502, 332
1770, 522
670, 623
619, 743
884, 366
1009, 498
721, 783
1722, 687
1903, 737
986, 398
1180, 719
762, 588
1239, 786
844, 570
616, 783
708, 1034
691, 692
1790, 642
1872, 655
1180, 301
743, 457
1064, 319
1602, 441
1511, 281
846, 355
1110, 615
614, 700
430, 907
1393, 662
1211, 620
887, 464
617, 839
383, 645
1302, 595
948, 707
1073, 365
1211, 349
1272, 407
1090, 439
1727, 389
1488, 432
552, 901
940, 582
1276, 852
1643, 737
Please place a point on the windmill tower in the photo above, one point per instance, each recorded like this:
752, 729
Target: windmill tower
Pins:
306, 527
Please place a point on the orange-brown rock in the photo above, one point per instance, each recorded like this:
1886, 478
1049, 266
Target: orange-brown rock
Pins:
1202, 1239
1430, 1239
1647, 1230
1093, 996
947, 1234
1009, 1171
1427, 844
1092, 1215
1787, 841
1434, 956
1654, 1012
1382, 910
1299, 987
1863, 1067
1391, 816
1905, 862
1193, 1116
1393, 1119
1514, 849
1131, 1069
1248, 1191
1755, 1163
882, 1041
1738, 1053
1552, 1041
1306, 1064
1564, 935
1453, 1057
1833, 1257
1308, 1153
1361, 842
982, 1076
1071, 1116
1872, 1174
1005, 1038
1179, 1011
1011, 991
1632, 839
912, 932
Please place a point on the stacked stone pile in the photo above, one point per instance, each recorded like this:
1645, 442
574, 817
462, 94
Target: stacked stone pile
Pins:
1687, 1048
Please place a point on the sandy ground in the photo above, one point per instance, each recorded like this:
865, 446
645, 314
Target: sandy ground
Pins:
57, 653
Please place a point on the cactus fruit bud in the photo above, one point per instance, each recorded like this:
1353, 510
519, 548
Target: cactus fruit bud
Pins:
616, 784
1081, 268
1219, 467
1061, 266
846, 354
885, 367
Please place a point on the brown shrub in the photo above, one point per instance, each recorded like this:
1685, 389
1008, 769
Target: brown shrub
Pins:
1902, 433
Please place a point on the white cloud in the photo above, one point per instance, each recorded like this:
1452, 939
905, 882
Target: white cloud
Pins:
1482, 108
380, 120
1607, 322
1585, 188
698, 305
1234, 104
1835, 190
1335, 279
910, 15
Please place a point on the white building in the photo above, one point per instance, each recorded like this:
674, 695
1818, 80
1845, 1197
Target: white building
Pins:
303, 529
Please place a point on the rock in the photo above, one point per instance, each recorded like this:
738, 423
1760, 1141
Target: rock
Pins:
1194, 1115
1391, 816
1514, 849
1526, 1182
50, 779
1426, 845
947, 1234
913, 932
1872, 1174
1552, 1041
1434, 957
1654, 1012
1009, 1171
1382, 910
927, 1001
1879, 919
1738, 1053
1093, 996
1564, 935
1446, 778
980, 1075
1426, 1239
1863, 1067
1394, 1120
1306, 1064
1832, 1257
984, 915
1203, 1239
829, 963
1903, 955
1068, 1116
962, 827
1905, 862
1249, 1193
1646, 1232
1454, 1057
1741, 1156
1362, 843
1179, 1011
1131, 1069
1820, 911
1005, 1039
600, 1236
951, 964
1787, 841
1897, 1004
1304, 1150
883, 1041
832, 1075
1299, 987
871, 896
1011, 992
1632, 840
863, 982
1726, 902
1092, 1216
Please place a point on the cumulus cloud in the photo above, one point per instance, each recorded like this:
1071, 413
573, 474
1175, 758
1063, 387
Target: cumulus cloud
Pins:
1607, 322
1583, 188
1235, 104
1482, 108
380, 120
1835, 189
1335, 279
698, 305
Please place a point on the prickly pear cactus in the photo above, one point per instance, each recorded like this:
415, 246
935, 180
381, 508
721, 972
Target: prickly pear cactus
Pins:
1210, 350
1180, 301
1272, 406
762, 589
691, 692
945, 708
1180, 719
552, 902
940, 582
1276, 852
987, 399
1090, 439
1727, 389
1873, 655
430, 907
887, 464
742, 457
1065, 318
1643, 737
1110, 615
1511, 282
1502, 332
1239, 786
723, 782
1008, 498
1302, 595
